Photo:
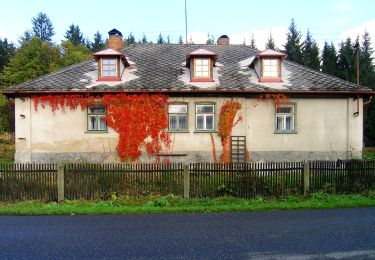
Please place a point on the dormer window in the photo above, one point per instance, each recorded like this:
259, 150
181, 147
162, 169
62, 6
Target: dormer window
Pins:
270, 61
111, 61
109, 68
202, 68
201, 63
271, 68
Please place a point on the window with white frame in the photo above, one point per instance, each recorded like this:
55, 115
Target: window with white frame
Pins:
109, 68
96, 118
205, 117
285, 118
201, 68
271, 68
177, 114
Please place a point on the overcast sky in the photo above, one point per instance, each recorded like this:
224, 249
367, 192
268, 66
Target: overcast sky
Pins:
327, 20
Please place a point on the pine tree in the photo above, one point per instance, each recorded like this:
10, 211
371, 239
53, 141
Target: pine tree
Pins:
180, 41
293, 45
310, 53
252, 42
131, 38
27, 36
346, 66
160, 39
144, 39
367, 78
329, 59
42, 27
7, 51
367, 70
270, 44
74, 35
209, 39
98, 44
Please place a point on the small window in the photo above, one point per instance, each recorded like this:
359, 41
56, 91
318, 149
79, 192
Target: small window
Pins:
271, 68
285, 118
205, 117
109, 68
202, 69
177, 114
96, 118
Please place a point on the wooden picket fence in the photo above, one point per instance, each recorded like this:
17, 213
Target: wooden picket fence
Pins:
52, 182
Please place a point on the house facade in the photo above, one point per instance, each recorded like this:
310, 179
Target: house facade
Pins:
320, 116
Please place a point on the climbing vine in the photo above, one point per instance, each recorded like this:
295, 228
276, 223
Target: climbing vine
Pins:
278, 98
226, 123
139, 120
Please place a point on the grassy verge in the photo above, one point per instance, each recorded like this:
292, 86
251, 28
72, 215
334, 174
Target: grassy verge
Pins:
173, 204
6, 153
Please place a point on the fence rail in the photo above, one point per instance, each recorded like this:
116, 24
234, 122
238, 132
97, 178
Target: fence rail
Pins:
243, 180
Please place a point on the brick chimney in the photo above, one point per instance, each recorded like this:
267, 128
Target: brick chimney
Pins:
115, 39
223, 40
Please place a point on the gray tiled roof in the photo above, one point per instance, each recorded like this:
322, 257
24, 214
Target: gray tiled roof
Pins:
159, 67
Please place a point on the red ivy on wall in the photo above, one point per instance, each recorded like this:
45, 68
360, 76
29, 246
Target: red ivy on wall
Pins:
226, 123
139, 120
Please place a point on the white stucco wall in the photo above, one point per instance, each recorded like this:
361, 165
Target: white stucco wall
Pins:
322, 125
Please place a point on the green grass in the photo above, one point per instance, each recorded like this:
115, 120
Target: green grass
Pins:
173, 204
6, 153
369, 154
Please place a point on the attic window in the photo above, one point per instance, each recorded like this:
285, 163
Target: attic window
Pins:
201, 63
270, 61
109, 68
202, 69
271, 68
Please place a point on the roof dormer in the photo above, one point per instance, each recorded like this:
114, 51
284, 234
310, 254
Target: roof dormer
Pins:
201, 63
270, 65
112, 60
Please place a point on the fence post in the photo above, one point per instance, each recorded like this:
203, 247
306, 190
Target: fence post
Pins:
186, 181
60, 183
306, 178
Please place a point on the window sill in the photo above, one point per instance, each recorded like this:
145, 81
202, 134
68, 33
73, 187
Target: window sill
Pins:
285, 132
109, 79
270, 80
202, 80
205, 131
176, 131
97, 132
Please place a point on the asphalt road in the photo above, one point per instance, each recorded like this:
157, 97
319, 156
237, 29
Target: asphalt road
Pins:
316, 234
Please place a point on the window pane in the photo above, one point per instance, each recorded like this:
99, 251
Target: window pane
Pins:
182, 122
172, 122
102, 123
112, 61
209, 122
204, 108
105, 61
92, 123
105, 73
273, 62
279, 123
198, 74
112, 73
177, 109
266, 62
288, 123
198, 62
266, 74
97, 110
205, 62
205, 74
285, 110
200, 124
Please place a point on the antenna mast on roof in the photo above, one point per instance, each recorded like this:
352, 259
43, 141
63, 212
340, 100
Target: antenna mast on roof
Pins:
186, 40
